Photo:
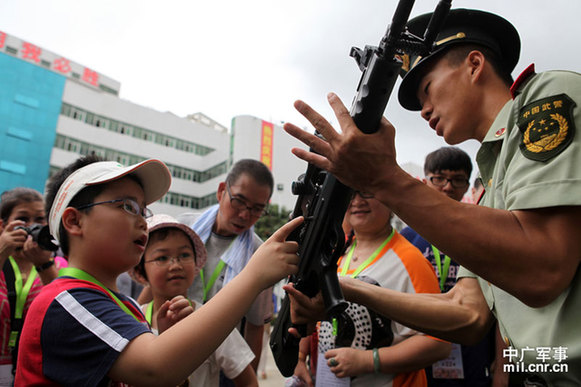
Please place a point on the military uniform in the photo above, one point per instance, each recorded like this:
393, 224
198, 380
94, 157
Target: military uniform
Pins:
529, 159
514, 180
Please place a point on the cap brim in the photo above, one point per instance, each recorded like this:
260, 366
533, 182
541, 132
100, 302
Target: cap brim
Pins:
462, 26
407, 93
153, 175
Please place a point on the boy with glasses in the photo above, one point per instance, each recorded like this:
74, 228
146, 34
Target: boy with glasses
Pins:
448, 170
81, 331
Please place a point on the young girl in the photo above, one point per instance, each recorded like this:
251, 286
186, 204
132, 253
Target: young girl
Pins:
173, 257
25, 268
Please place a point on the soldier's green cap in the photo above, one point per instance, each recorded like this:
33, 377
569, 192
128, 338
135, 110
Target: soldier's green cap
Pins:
461, 26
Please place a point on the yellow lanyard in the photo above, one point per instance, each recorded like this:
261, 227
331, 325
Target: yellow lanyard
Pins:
83, 275
21, 294
207, 286
149, 312
217, 270
443, 273
368, 261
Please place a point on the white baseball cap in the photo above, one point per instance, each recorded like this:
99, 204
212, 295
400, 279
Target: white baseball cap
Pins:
153, 175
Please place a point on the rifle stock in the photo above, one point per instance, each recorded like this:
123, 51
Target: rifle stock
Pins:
323, 200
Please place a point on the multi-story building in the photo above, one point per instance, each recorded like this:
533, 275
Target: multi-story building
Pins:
52, 110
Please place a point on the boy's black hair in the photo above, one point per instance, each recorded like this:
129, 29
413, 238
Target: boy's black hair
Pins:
255, 169
14, 197
448, 158
85, 196
159, 235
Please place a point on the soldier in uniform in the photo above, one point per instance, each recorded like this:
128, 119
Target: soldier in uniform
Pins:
520, 250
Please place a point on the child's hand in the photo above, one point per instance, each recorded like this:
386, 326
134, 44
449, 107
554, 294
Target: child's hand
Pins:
173, 311
11, 239
276, 258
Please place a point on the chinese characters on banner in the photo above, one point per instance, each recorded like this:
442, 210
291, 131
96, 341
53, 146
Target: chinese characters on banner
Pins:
266, 144
62, 65
33, 53
90, 76
30, 51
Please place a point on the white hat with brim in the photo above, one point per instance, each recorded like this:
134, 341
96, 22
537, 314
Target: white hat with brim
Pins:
154, 176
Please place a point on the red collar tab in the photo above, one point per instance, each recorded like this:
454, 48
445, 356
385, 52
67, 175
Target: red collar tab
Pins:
521, 78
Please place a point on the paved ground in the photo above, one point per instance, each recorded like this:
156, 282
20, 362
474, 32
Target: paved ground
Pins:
273, 376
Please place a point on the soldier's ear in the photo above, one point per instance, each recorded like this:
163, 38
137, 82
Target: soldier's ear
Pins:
475, 62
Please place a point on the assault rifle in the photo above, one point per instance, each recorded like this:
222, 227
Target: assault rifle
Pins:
323, 200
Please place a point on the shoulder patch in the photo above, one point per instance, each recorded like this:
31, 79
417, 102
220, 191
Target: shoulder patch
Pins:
547, 127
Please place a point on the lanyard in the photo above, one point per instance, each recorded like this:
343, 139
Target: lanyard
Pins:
207, 286
83, 275
217, 270
368, 261
21, 292
149, 313
21, 295
443, 273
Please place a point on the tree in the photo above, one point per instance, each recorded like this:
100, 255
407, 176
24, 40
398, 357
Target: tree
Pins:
268, 224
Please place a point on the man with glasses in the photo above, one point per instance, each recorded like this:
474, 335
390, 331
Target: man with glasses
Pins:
227, 230
448, 170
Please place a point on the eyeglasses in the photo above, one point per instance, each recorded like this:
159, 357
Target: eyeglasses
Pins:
129, 205
240, 205
183, 259
441, 181
362, 195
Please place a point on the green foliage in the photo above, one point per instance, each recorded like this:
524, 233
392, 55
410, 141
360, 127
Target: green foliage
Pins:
268, 224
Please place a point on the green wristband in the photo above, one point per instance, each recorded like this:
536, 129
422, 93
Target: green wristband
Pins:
376, 364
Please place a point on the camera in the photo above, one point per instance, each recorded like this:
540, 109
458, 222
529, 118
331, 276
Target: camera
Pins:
41, 235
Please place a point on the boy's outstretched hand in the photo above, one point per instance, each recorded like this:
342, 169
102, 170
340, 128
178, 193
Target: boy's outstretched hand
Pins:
173, 311
277, 258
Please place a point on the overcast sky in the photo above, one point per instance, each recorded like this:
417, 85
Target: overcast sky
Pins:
226, 58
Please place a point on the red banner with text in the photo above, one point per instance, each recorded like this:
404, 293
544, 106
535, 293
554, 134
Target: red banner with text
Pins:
266, 144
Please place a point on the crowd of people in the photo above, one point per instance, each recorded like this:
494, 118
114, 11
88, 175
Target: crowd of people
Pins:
466, 295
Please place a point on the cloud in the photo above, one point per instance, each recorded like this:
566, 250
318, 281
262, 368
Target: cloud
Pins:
226, 57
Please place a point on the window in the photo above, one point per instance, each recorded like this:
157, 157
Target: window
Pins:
113, 125
66, 110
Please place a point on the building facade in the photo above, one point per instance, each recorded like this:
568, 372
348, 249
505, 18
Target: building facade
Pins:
52, 110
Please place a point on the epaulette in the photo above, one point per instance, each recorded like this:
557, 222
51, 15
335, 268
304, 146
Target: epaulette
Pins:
526, 74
